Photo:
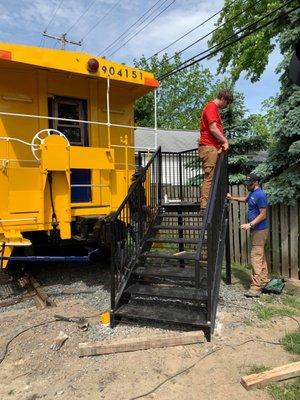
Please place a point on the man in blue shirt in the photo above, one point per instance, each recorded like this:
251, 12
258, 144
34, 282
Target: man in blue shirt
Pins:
258, 223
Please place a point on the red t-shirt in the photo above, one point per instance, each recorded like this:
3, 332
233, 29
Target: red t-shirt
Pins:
210, 114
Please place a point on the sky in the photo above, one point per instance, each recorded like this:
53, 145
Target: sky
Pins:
100, 23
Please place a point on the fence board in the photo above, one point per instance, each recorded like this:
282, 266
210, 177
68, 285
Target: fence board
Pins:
275, 240
294, 242
236, 226
284, 235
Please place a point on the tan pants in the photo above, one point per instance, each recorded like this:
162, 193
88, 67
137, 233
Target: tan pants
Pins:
208, 156
258, 259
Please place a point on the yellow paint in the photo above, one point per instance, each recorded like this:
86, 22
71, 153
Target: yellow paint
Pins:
105, 318
29, 77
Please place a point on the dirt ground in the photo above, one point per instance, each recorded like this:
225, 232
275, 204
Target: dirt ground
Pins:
31, 370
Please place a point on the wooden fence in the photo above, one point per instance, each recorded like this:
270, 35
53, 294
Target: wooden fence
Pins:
283, 243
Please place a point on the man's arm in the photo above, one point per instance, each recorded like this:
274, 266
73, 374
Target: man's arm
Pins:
261, 216
218, 135
235, 198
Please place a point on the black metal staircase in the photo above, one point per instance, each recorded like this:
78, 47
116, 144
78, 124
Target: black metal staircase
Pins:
171, 270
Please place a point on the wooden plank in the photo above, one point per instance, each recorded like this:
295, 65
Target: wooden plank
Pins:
236, 226
274, 375
275, 241
284, 231
133, 344
294, 242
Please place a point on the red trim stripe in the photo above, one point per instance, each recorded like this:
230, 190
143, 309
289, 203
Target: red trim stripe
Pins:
151, 82
5, 54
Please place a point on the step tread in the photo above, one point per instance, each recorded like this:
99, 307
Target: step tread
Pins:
174, 292
180, 215
162, 313
173, 240
178, 227
166, 272
162, 254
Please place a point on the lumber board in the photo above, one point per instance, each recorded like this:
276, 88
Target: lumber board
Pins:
281, 373
133, 344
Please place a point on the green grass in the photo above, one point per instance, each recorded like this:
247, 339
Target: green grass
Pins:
265, 313
241, 274
291, 301
256, 369
290, 391
291, 342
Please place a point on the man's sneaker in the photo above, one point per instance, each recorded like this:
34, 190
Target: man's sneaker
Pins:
253, 293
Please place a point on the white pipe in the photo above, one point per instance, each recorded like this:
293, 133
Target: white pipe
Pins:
75, 120
133, 147
8, 138
155, 119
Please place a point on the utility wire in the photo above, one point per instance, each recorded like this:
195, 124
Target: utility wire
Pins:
144, 27
128, 29
193, 29
81, 15
193, 61
54, 15
101, 19
214, 30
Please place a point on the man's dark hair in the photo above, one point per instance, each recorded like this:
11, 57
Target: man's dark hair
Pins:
225, 94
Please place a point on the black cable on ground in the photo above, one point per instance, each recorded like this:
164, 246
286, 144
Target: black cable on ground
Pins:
2, 357
201, 358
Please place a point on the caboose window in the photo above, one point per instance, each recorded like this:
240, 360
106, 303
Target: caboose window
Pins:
74, 109
77, 134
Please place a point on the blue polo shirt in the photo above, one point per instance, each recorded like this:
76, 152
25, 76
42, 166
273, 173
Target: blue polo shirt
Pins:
257, 199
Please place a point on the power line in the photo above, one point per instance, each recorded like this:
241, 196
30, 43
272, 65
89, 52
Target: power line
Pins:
101, 19
145, 26
214, 30
81, 15
131, 26
54, 15
193, 61
193, 29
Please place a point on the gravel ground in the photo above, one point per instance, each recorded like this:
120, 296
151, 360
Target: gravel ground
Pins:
90, 284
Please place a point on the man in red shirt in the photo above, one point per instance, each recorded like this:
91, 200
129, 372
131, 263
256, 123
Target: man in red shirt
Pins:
212, 140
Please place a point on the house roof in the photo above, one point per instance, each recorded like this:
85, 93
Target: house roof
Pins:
169, 140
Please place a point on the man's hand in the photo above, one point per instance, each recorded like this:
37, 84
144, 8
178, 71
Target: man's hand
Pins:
229, 196
225, 146
245, 227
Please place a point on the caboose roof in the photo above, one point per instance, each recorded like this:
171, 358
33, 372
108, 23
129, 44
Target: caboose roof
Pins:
76, 63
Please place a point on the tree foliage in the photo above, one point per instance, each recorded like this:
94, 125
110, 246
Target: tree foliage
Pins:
281, 170
179, 97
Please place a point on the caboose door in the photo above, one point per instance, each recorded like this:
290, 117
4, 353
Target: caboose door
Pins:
77, 134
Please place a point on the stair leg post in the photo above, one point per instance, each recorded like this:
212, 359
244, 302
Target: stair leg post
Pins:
180, 236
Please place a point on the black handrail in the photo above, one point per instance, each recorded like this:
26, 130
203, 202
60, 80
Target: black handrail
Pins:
130, 224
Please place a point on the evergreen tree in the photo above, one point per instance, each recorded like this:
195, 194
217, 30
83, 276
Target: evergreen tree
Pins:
282, 170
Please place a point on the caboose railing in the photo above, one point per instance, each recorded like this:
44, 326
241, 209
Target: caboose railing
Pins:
130, 223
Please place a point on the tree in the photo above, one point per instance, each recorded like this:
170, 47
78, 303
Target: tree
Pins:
250, 55
179, 97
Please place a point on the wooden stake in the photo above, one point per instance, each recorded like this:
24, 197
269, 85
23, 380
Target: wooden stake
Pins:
276, 374
133, 344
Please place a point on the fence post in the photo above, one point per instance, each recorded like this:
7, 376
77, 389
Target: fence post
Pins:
159, 177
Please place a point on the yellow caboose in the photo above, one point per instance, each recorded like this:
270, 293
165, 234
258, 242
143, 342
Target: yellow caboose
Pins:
66, 139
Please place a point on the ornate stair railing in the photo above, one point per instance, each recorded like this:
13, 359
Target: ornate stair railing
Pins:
130, 223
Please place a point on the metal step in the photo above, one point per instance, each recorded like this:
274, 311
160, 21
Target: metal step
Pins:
161, 254
175, 272
173, 240
180, 215
172, 292
163, 313
182, 206
178, 227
